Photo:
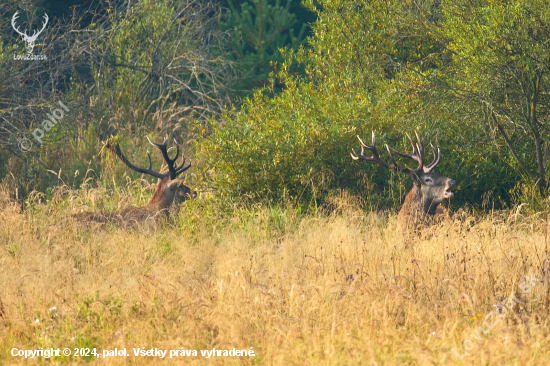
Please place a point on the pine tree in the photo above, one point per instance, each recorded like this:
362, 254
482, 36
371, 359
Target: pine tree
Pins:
261, 28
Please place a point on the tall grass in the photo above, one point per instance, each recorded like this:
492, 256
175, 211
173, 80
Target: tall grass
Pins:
333, 288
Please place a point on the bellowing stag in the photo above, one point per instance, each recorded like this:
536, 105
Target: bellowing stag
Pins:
170, 190
428, 191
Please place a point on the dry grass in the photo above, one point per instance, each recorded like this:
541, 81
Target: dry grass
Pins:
302, 290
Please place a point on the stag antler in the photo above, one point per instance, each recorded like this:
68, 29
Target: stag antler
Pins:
417, 155
375, 157
433, 164
173, 172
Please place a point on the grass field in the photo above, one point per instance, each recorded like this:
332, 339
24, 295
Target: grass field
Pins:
336, 288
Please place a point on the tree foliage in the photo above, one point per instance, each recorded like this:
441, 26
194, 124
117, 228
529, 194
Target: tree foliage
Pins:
499, 57
131, 68
260, 29
164, 61
469, 76
369, 66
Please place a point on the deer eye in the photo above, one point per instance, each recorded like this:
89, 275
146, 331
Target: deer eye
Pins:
428, 180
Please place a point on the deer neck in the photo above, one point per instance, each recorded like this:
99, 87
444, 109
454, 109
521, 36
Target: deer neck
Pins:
162, 198
416, 202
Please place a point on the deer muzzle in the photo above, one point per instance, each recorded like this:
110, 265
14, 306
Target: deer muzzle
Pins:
448, 189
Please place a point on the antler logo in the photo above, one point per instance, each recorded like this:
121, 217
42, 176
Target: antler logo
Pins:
29, 40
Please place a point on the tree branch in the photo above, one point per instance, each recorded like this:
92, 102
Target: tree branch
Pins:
510, 146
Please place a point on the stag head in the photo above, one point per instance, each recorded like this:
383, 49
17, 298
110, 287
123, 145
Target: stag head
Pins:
170, 188
428, 190
29, 40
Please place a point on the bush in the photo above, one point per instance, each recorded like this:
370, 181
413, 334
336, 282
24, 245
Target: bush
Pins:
296, 145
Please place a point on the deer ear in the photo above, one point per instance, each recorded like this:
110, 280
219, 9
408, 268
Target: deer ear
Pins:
415, 178
174, 183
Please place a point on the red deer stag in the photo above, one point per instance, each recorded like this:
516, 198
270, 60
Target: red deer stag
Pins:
170, 189
428, 191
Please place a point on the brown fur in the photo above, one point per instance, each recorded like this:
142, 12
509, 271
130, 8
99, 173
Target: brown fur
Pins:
170, 190
168, 193
422, 203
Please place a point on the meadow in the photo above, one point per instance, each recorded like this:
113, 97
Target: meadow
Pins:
333, 287
291, 251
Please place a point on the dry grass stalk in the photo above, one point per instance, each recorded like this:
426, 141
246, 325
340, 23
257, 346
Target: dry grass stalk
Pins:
301, 290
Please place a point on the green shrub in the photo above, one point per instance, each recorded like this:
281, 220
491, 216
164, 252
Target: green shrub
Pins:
296, 146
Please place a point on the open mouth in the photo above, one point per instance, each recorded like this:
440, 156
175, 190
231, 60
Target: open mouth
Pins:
448, 191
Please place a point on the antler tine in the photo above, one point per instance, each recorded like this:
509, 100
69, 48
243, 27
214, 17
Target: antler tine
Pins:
150, 162
160, 146
397, 167
433, 164
354, 155
118, 152
180, 169
46, 18
416, 155
420, 146
418, 150
374, 158
173, 171
177, 150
